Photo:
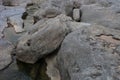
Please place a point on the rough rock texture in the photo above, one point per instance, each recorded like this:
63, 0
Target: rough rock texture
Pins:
108, 17
17, 22
90, 54
52, 71
0, 2
46, 13
5, 53
15, 2
41, 41
3, 24
73, 26
11, 35
12, 13
13, 73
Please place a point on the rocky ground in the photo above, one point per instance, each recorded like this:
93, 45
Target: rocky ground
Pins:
59, 39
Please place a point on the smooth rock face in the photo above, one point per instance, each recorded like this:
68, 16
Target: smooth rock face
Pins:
89, 54
41, 41
5, 53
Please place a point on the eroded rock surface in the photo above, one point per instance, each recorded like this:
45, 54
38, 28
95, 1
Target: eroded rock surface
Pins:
5, 53
106, 16
17, 22
89, 53
52, 70
42, 40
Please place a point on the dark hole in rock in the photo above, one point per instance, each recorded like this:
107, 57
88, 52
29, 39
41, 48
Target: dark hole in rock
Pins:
28, 42
36, 71
30, 4
36, 19
23, 25
24, 16
76, 4
9, 25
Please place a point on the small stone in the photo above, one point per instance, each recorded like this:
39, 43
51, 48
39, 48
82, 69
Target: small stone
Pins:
76, 14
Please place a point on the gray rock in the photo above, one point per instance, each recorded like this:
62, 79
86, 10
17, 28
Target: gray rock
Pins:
5, 53
17, 22
118, 50
76, 14
52, 70
41, 41
3, 24
0, 2
11, 11
7, 12
11, 35
13, 72
46, 13
73, 26
51, 13
15, 2
69, 9
100, 15
2, 7
88, 2
88, 54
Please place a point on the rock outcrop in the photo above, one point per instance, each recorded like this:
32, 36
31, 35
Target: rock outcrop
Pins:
89, 53
61, 39
106, 16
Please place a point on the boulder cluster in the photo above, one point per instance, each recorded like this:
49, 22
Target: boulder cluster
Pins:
79, 39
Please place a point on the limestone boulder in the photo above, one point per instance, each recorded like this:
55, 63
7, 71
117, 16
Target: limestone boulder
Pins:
42, 40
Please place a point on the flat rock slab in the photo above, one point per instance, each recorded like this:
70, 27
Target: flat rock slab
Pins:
5, 53
106, 16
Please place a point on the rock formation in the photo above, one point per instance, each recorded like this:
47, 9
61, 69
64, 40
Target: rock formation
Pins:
60, 39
